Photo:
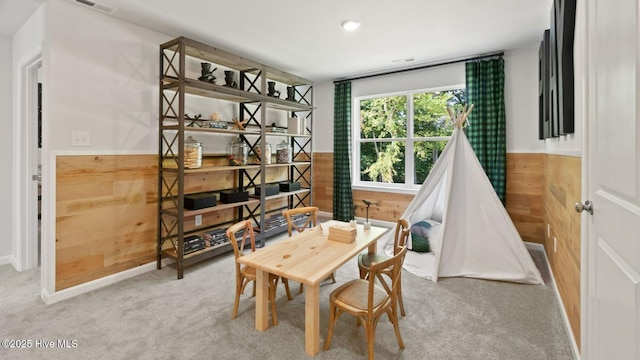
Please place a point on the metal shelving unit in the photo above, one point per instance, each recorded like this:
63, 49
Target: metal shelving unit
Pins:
252, 103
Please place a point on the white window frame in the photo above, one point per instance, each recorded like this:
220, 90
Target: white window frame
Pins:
408, 187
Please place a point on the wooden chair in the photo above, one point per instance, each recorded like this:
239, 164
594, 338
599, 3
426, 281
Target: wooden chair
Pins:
311, 221
312, 218
403, 230
247, 274
368, 301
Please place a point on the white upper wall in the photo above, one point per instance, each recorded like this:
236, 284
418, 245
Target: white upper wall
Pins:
521, 99
323, 117
6, 100
430, 78
105, 75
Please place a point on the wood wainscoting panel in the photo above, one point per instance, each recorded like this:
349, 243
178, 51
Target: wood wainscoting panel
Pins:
322, 195
106, 215
562, 189
388, 207
525, 175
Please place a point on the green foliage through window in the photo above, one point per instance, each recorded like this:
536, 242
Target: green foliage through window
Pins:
392, 126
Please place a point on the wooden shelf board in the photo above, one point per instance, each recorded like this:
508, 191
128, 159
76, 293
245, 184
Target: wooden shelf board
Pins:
176, 127
232, 167
269, 133
212, 130
203, 51
172, 254
213, 169
201, 88
283, 104
285, 194
295, 163
218, 207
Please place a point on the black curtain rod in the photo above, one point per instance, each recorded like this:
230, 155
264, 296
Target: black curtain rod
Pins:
421, 67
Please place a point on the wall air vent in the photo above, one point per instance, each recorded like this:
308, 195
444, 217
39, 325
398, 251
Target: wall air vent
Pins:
95, 6
409, 59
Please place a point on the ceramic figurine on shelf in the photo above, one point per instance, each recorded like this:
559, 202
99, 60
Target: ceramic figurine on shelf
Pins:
291, 93
228, 79
207, 73
272, 89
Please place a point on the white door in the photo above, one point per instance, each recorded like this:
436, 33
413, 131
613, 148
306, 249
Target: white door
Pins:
612, 303
25, 240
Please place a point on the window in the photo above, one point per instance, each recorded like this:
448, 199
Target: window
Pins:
398, 137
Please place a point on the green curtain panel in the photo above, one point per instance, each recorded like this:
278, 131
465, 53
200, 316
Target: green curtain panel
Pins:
487, 122
342, 195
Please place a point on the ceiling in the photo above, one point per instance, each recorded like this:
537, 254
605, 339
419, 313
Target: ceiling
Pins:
305, 37
13, 13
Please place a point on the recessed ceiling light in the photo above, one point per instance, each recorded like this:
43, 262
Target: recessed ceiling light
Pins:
350, 25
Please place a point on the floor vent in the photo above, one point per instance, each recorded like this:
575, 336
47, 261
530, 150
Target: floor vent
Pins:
99, 7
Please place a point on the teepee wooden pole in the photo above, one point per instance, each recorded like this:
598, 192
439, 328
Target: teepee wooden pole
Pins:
459, 119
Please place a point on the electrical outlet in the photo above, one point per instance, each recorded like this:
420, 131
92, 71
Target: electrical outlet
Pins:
80, 138
548, 230
198, 220
555, 243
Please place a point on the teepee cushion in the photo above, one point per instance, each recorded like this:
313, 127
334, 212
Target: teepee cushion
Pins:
420, 237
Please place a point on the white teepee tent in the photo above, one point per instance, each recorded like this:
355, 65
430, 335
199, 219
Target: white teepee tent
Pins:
471, 234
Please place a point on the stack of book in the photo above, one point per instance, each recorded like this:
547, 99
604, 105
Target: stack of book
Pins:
277, 221
343, 233
218, 124
298, 217
274, 222
214, 237
193, 243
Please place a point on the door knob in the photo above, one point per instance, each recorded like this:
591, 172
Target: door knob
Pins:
587, 206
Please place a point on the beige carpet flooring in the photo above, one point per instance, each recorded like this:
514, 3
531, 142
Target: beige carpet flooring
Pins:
155, 316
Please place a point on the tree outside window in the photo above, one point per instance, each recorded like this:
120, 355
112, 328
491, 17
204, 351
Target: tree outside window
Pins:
401, 136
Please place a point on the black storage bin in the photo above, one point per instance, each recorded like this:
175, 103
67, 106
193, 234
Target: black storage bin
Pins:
269, 189
199, 201
233, 196
286, 186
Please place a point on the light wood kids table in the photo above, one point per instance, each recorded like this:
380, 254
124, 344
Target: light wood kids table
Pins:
308, 257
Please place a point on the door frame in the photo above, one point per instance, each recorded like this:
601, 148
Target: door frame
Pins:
25, 163
588, 106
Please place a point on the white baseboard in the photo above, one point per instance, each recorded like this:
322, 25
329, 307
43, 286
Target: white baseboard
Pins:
65, 294
14, 262
535, 246
565, 317
4, 260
